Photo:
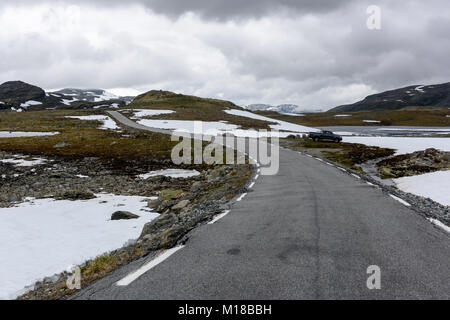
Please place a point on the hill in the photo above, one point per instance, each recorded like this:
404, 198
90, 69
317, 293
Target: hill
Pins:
188, 107
418, 96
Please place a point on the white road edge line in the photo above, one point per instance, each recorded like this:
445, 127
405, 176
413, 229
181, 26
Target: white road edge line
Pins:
356, 176
147, 267
251, 185
370, 183
218, 217
256, 177
241, 197
400, 200
439, 224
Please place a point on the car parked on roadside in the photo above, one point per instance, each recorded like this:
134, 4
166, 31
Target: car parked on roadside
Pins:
325, 136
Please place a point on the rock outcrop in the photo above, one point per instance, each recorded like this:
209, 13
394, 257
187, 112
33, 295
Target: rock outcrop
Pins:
420, 162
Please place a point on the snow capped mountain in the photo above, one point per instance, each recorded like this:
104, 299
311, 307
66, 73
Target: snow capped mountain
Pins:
90, 95
282, 108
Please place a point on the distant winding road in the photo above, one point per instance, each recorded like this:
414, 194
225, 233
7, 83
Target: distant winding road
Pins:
309, 232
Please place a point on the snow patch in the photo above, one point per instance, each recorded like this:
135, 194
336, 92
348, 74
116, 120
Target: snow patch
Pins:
435, 185
420, 89
68, 102
21, 162
173, 173
105, 96
19, 134
44, 237
30, 103
403, 145
108, 123
140, 113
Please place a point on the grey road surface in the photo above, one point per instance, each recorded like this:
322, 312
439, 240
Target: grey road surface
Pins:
309, 232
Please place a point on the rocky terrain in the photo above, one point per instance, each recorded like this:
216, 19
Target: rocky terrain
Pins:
183, 203
20, 96
420, 162
418, 95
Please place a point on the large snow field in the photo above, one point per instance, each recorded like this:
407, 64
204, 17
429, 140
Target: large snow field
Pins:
435, 185
108, 123
40, 238
403, 145
281, 125
217, 127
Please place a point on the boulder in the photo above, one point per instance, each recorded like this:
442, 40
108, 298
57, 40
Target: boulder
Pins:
180, 205
162, 222
169, 194
196, 186
61, 145
123, 215
153, 204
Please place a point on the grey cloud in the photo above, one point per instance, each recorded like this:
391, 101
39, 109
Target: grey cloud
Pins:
312, 53
214, 9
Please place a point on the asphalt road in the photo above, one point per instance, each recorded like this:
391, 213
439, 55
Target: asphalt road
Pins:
309, 232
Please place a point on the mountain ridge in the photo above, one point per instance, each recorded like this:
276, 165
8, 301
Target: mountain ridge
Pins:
437, 95
20, 96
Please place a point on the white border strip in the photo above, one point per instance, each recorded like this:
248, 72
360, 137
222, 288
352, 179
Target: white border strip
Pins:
400, 200
439, 224
147, 267
218, 217
241, 197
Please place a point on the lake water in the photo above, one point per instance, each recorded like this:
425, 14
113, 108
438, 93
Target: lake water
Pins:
389, 131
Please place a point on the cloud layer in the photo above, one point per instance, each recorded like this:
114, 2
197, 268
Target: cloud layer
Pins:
304, 52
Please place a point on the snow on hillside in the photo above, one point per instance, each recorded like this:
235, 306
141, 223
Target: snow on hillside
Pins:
403, 145
44, 237
30, 103
435, 185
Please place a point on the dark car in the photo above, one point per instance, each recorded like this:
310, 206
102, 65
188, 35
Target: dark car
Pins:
325, 135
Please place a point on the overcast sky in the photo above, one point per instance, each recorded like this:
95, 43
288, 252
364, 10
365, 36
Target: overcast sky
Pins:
317, 54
